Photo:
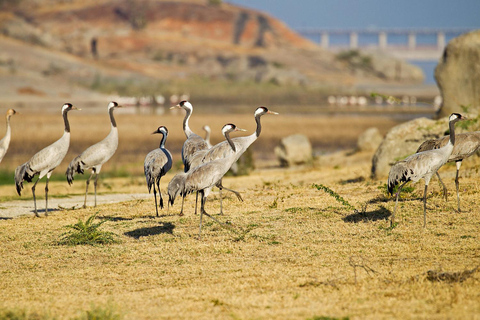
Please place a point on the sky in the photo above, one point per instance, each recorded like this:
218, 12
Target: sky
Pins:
348, 14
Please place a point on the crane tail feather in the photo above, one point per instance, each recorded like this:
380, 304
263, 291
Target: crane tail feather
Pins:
76, 166
22, 173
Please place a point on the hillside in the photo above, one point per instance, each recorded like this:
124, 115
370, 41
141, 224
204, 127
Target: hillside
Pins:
50, 48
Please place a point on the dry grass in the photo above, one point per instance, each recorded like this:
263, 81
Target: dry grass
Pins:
297, 253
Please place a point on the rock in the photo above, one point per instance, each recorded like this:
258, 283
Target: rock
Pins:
404, 140
458, 74
293, 150
369, 140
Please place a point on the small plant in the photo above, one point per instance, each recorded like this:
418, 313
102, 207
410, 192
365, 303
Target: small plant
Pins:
87, 233
335, 195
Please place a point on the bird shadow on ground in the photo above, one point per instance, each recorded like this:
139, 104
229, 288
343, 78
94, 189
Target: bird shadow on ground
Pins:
5, 218
380, 214
165, 227
43, 210
114, 219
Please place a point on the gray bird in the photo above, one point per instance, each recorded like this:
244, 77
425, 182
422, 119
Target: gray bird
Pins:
466, 144
421, 165
157, 163
194, 142
45, 161
203, 177
95, 156
223, 149
5, 142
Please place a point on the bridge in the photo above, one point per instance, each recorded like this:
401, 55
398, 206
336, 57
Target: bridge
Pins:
407, 44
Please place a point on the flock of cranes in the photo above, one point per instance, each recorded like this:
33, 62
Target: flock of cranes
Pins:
205, 165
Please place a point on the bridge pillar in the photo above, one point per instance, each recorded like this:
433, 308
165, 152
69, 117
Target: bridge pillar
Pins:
412, 41
382, 40
440, 40
324, 41
353, 40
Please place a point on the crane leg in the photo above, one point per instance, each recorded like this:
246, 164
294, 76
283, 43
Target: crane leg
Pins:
34, 199
196, 202
86, 190
425, 206
160, 192
183, 200
392, 220
221, 200
458, 163
155, 196
443, 185
95, 187
202, 210
46, 197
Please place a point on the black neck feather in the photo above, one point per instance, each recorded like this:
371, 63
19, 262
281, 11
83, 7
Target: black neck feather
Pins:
65, 119
112, 119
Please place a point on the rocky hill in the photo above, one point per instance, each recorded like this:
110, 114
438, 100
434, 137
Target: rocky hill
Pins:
74, 48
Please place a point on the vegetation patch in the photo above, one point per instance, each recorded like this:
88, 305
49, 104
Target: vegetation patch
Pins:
87, 233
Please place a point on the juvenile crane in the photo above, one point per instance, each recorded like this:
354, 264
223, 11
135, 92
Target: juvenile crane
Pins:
95, 156
203, 177
421, 165
5, 142
157, 163
45, 161
466, 144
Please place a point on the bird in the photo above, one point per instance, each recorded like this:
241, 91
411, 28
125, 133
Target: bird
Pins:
207, 130
194, 142
45, 161
203, 177
5, 142
223, 149
95, 156
421, 165
466, 144
157, 163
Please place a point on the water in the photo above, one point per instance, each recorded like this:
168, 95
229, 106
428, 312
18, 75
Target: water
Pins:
428, 68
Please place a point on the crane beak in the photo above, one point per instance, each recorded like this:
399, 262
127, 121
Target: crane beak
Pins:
240, 129
177, 106
272, 112
75, 108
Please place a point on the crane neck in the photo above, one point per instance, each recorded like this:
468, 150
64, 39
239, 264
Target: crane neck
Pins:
162, 142
65, 120
451, 126
230, 142
112, 118
186, 127
259, 125
207, 137
9, 130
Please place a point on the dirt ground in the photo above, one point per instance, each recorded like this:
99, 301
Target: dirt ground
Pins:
289, 251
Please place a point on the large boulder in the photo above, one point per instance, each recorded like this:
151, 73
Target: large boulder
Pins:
404, 140
369, 140
458, 74
293, 150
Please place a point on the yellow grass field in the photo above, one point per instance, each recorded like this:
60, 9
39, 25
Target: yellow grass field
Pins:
289, 251
294, 252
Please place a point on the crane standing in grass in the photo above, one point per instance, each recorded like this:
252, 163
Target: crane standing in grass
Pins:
95, 156
421, 165
194, 142
203, 177
5, 142
157, 163
466, 144
45, 161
